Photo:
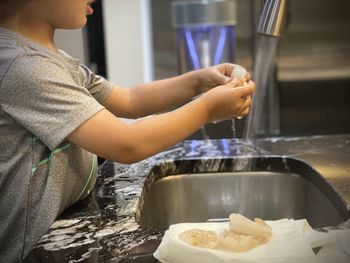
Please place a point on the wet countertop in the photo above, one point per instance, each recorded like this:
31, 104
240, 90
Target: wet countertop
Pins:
102, 228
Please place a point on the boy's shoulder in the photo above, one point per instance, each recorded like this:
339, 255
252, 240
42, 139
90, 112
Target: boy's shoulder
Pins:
9, 49
26, 60
14, 48
23, 64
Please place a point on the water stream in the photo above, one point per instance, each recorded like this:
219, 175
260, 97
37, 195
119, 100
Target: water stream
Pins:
256, 124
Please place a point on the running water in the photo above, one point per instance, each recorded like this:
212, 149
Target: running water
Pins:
263, 68
256, 122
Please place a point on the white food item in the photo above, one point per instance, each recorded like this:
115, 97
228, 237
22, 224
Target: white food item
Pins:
242, 235
200, 238
234, 242
239, 73
242, 225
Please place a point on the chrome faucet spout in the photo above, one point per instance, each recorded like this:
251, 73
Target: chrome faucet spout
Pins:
273, 17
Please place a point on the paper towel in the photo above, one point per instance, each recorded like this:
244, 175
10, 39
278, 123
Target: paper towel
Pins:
292, 241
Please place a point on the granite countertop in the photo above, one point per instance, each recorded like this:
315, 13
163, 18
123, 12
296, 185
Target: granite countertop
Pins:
102, 228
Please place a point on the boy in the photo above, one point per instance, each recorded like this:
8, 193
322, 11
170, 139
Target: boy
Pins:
56, 116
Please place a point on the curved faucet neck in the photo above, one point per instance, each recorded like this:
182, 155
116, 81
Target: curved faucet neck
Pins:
273, 17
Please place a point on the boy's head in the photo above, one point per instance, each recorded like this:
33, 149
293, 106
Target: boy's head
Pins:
62, 14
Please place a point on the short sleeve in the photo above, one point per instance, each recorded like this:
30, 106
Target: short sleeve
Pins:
97, 85
42, 96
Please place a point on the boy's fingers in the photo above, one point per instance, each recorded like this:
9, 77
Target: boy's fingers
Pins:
244, 112
247, 102
248, 77
245, 91
233, 83
228, 68
252, 84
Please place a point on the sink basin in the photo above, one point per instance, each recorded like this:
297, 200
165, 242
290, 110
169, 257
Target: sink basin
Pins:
268, 188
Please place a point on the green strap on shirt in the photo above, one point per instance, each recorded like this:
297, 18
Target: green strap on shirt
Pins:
90, 181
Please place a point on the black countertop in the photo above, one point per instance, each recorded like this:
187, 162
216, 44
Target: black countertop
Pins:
102, 228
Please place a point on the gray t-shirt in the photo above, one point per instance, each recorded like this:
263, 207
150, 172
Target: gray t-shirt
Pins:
44, 96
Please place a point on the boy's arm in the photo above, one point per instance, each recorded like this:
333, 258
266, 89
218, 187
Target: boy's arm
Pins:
107, 136
152, 97
161, 95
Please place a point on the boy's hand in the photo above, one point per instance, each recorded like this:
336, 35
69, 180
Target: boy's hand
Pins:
214, 76
229, 100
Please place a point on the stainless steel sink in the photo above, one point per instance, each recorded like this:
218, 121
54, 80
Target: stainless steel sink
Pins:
269, 188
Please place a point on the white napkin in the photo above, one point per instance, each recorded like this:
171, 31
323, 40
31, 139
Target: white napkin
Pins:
337, 251
292, 241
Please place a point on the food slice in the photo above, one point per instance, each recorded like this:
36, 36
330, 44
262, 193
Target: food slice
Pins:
231, 241
200, 238
242, 235
242, 225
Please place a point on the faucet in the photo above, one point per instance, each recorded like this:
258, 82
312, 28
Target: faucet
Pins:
273, 17
264, 118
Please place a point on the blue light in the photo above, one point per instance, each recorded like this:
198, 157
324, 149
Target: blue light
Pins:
220, 47
193, 150
192, 50
226, 147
